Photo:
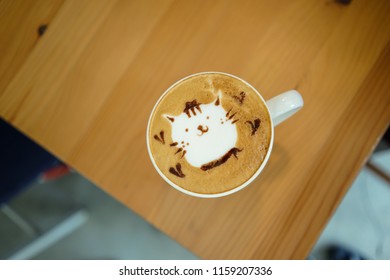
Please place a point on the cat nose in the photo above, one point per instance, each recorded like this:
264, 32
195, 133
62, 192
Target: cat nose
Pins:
203, 129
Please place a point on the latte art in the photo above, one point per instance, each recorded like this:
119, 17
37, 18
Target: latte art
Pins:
205, 133
209, 133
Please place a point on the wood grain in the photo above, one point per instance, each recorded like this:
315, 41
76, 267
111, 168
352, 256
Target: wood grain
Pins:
86, 90
20, 21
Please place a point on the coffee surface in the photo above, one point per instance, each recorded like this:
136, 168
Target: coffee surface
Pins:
209, 133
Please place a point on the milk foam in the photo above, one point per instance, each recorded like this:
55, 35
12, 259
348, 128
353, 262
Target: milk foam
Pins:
205, 134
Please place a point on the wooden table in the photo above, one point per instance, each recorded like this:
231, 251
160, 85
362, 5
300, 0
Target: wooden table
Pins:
85, 88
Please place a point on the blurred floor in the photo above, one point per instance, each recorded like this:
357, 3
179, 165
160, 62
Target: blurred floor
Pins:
361, 223
109, 230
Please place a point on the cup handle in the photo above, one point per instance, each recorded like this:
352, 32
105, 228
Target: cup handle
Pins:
284, 105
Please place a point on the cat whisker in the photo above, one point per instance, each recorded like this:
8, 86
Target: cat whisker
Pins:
228, 112
183, 154
231, 116
173, 144
235, 121
179, 150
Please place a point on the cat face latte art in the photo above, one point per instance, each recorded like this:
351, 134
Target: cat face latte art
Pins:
209, 133
204, 133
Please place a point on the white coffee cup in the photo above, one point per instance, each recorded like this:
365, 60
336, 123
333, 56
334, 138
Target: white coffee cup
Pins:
280, 108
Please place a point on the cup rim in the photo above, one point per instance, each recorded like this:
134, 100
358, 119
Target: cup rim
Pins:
212, 195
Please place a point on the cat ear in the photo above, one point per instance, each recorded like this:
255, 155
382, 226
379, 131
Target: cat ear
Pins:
169, 118
217, 101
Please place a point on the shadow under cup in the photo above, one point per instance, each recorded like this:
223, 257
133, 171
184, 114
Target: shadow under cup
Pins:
210, 134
